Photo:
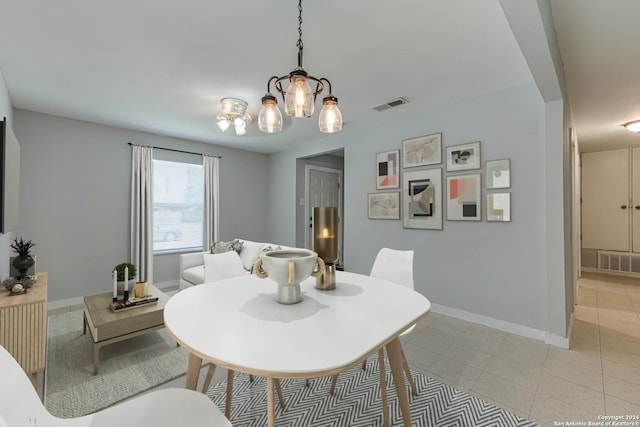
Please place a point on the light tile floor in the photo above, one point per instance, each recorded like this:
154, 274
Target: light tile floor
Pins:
598, 376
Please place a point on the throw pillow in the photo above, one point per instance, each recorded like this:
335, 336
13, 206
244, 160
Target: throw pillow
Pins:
222, 266
221, 247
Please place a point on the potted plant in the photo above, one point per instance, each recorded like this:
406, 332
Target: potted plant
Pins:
120, 274
24, 260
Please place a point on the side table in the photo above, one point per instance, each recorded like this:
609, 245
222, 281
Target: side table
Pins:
23, 326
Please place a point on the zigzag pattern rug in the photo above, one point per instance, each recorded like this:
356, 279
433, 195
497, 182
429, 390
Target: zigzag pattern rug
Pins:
357, 403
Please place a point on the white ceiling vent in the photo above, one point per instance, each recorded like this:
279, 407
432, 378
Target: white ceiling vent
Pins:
390, 104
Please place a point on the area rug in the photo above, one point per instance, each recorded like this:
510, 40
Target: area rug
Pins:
356, 402
126, 368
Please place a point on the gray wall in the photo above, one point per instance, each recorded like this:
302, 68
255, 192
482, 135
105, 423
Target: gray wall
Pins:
75, 185
497, 270
6, 110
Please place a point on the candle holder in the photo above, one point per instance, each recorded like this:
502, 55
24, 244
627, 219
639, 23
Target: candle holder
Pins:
325, 244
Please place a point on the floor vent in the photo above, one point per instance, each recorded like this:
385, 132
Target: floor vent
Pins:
619, 262
390, 104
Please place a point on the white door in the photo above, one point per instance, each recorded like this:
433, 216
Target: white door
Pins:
605, 200
635, 199
323, 189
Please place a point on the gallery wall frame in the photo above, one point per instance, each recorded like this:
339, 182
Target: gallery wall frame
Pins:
464, 202
499, 207
422, 150
388, 169
498, 173
384, 205
422, 199
463, 157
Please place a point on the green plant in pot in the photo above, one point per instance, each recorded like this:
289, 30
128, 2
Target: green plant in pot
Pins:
120, 274
24, 260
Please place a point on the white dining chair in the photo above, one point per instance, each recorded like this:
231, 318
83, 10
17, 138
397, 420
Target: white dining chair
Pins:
395, 266
20, 406
218, 267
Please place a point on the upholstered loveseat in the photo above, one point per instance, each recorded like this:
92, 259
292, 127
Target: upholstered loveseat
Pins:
192, 265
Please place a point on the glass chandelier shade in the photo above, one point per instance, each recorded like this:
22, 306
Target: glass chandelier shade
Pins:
330, 119
270, 117
299, 97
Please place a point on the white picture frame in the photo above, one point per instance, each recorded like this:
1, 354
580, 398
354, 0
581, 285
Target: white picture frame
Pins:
463, 157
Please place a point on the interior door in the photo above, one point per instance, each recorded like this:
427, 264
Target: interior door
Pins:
605, 200
324, 189
635, 199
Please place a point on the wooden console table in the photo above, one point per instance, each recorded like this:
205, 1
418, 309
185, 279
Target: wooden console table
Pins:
23, 326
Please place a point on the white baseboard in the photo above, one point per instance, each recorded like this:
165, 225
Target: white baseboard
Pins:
70, 302
502, 325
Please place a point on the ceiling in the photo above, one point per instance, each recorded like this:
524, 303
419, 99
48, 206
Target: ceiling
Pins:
599, 47
162, 66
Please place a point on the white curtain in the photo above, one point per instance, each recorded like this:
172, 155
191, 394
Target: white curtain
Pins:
211, 167
142, 211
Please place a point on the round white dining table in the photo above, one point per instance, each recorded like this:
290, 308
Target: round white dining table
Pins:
237, 324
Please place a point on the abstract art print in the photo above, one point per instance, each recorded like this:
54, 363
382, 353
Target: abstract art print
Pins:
422, 199
499, 207
384, 205
422, 150
463, 198
463, 157
499, 173
388, 169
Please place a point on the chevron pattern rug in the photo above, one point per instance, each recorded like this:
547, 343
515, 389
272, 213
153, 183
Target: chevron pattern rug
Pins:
357, 402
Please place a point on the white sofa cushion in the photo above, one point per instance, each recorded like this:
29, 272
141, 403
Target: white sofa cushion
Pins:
222, 266
250, 253
194, 275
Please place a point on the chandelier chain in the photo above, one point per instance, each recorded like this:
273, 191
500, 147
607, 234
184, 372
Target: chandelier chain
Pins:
299, 44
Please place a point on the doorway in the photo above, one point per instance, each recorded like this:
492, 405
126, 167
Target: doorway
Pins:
320, 182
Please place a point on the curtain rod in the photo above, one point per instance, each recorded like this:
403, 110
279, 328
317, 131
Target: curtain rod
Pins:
172, 149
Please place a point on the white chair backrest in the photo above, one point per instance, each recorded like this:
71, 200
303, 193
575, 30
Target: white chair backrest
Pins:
395, 266
19, 401
222, 266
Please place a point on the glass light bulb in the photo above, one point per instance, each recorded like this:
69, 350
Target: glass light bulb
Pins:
330, 120
298, 99
270, 117
240, 124
224, 124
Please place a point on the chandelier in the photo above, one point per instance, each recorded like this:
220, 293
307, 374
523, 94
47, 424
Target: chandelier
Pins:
299, 98
234, 111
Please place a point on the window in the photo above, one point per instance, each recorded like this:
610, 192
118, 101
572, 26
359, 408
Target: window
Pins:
177, 205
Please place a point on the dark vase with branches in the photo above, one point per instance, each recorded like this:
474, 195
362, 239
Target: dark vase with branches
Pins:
24, 260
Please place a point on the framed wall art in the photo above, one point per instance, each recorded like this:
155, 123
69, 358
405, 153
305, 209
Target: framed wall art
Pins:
422, 199
499, 207
498, 173
384, 205
463, 157
388, 169
422, 151
463, 198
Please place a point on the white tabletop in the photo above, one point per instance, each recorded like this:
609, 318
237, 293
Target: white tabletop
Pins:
237, 323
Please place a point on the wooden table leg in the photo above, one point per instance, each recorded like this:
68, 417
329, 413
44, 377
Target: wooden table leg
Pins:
193, 371
394, 353
383, 389
227, 404
271, 400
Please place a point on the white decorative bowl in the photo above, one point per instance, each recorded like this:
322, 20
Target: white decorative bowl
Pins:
288, 268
